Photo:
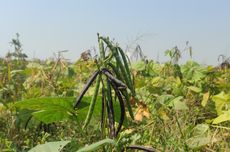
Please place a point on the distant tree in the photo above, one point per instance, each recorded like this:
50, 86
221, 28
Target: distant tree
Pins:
17, 54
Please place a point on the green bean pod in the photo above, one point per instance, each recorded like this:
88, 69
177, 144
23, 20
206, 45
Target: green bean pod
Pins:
114, 69
127, 99
86, 87
92, 103
119, 61
102, 49
121, 71
103, 111
110, 110
111, 77
107, 94
128, 72
122, 107
129, 84
123, 91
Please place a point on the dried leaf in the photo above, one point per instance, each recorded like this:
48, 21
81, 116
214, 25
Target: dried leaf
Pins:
142, 111
138, 116
132, 101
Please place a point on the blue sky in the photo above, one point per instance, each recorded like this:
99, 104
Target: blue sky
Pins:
47, 26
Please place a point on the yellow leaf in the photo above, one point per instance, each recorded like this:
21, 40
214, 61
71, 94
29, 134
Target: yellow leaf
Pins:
205, 99
178, 81
1, 107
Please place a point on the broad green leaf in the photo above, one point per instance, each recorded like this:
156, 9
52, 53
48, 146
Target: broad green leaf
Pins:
222, 102
165, 99
193, 72
97, 145
50, 147
46, 103
223, 117
54, 109
200, 129
195, 89
153, 68
200, 136
198, 141
178, 104
198, 75
205, 99
139, 66
48, 110
51, 115
157, 81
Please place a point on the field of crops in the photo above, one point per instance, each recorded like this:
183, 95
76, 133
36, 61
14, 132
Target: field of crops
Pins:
105, 103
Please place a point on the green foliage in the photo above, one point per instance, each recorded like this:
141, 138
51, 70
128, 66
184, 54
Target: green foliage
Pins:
97, 145
182, 107
50, 147
200, 136
222, 104
178, 104
48, 110
56, 109
193, 72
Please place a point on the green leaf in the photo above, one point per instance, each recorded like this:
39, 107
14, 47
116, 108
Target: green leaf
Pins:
97, 145
50, 147
195, 89
222, 101
193, 72
46, 103
221, 118
157, 81
200, 129
198, 141
51, 115
165, 99
48, 110
200, 136
139, 66
178, 104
